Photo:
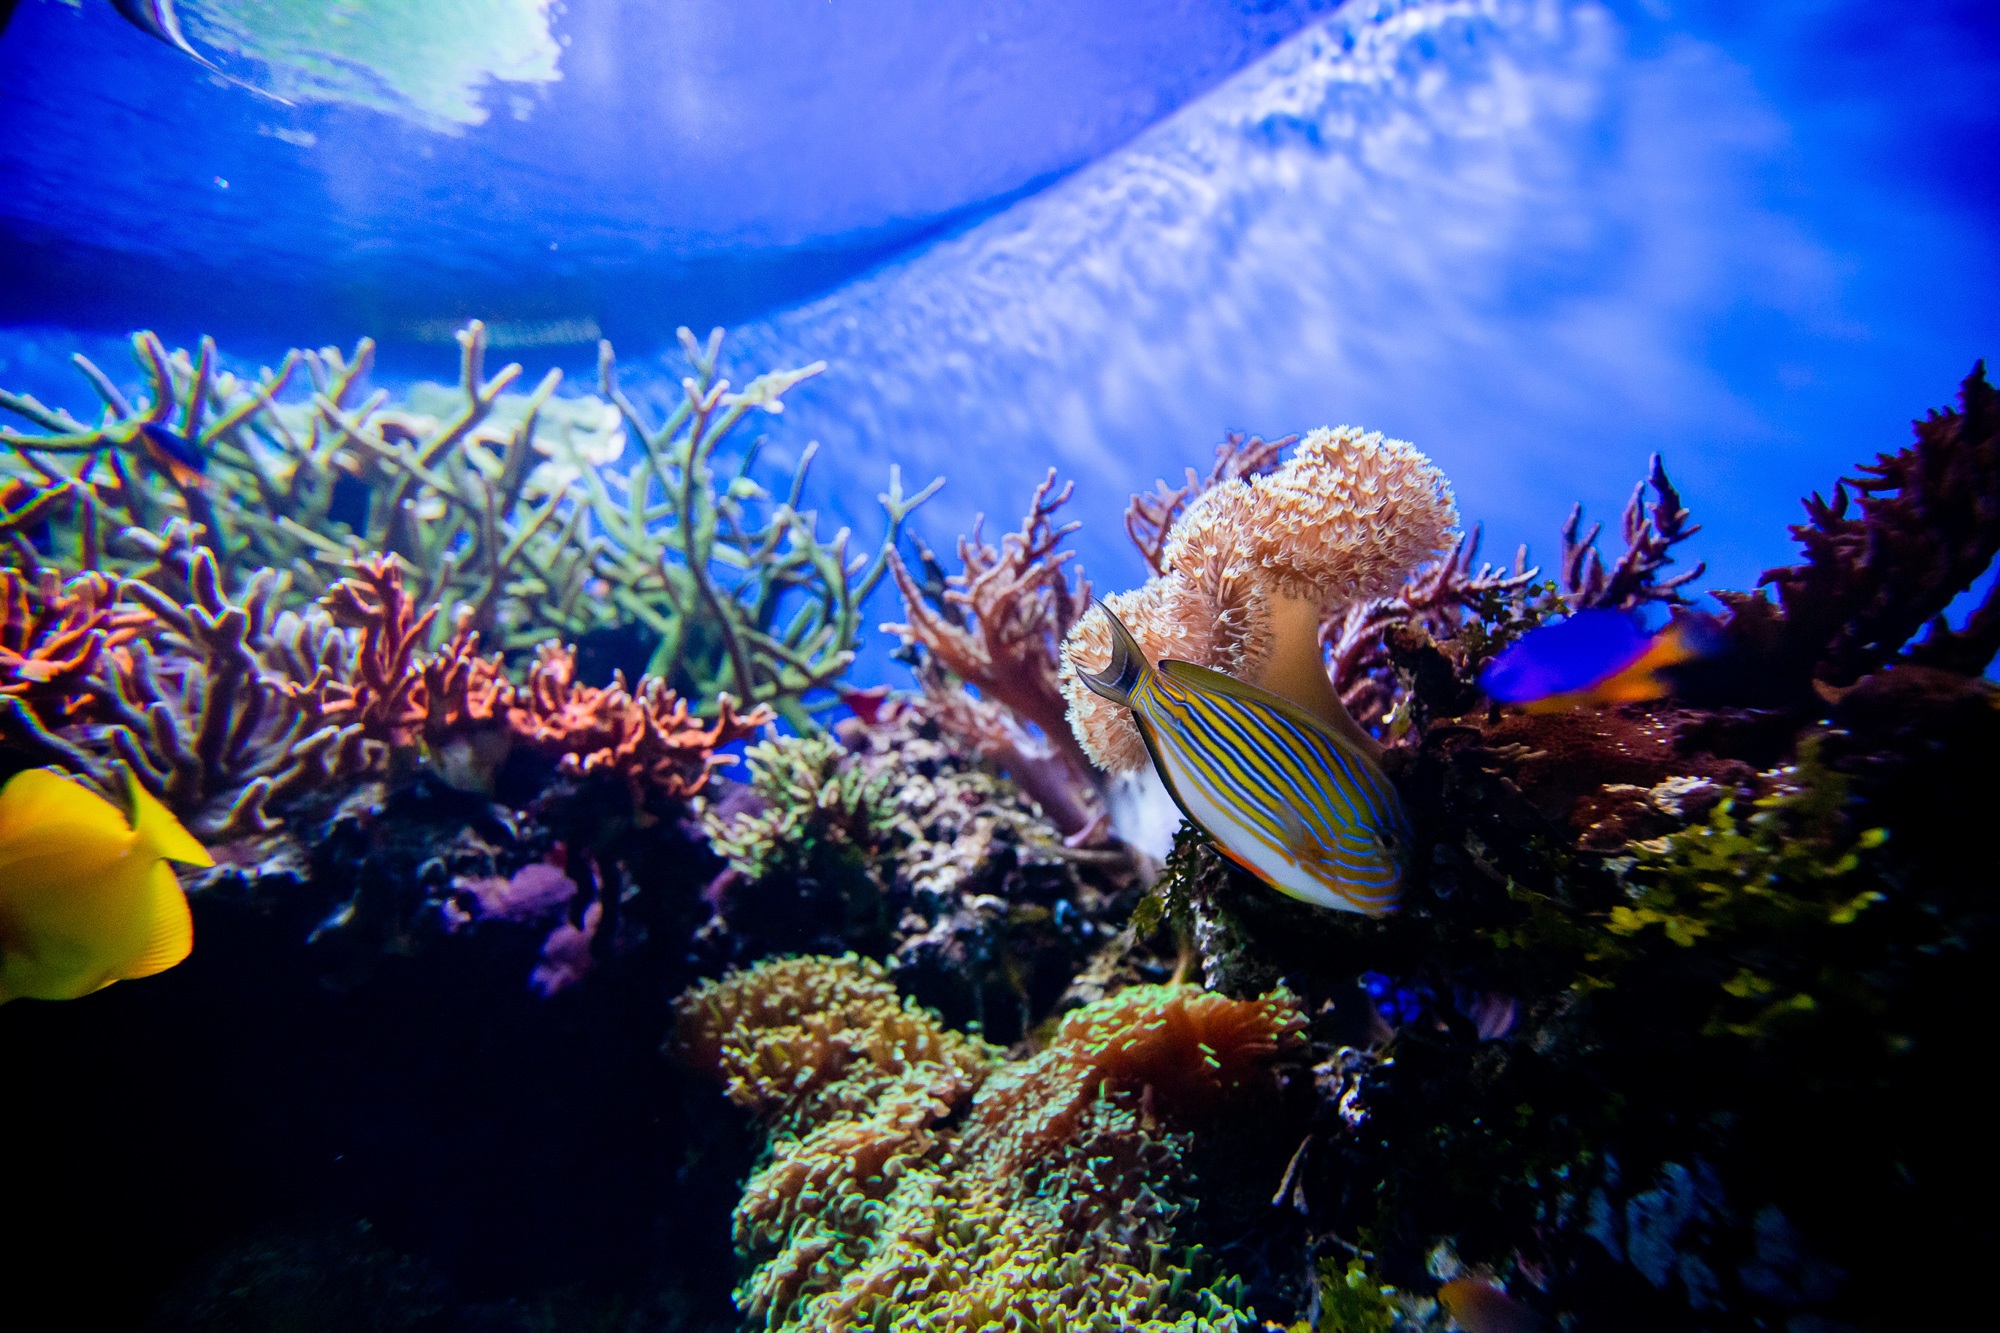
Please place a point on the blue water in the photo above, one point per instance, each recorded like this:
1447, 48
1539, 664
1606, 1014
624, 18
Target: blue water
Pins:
1542, 240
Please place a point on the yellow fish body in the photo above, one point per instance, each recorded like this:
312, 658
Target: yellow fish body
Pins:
1281, 794
87, 899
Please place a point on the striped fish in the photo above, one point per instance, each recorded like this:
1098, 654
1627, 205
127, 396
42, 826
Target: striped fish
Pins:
1281, 793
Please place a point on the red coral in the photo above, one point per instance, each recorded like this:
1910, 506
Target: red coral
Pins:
1149, 518
998, 625
649, 738
463, 691
52, 635
384, 692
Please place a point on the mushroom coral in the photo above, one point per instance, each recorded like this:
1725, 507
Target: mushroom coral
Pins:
1253, 565
1049, 1204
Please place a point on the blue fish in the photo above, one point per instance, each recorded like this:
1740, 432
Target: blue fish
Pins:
1594, 658
1280, 793
173, 453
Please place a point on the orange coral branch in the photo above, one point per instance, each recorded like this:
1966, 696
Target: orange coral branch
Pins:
383, 694
998, 626
52, 635
648, 738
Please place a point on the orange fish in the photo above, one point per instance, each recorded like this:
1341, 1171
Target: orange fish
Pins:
1477, 1306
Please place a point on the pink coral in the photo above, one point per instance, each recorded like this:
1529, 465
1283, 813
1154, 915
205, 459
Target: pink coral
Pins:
1252, 566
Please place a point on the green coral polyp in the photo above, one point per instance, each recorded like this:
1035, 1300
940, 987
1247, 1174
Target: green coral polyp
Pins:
1050, 1206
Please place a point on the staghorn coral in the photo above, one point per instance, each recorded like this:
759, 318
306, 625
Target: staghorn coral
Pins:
1051, 1205
997, 626
54, 632
1652, 529
1253, 566
509, 504
196, 693
710, 569
382, 692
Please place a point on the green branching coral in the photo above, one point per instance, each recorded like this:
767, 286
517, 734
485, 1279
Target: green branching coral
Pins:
815, 807
744, 595
1051, 1205
509, 506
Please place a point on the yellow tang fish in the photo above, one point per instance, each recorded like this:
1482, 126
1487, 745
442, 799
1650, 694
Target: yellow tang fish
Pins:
85, 898
1281, 794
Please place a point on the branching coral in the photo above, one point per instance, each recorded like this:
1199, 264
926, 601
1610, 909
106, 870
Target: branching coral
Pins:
1928, 527
1652, 529
647, 737
1052, 1206
712, 570
55, 632
382, 693
508, 504
997, 625
209, 714
1150, 518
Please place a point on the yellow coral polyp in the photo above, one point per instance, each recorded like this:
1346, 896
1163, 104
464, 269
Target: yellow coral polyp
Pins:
1050, 1205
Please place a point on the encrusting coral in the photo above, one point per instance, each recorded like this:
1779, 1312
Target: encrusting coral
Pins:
1051, 1204
889, 839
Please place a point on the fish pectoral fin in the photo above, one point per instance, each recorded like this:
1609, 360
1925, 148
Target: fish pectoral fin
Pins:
1297, 838
171, 934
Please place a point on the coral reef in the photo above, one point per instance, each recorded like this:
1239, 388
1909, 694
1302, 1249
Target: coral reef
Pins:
893, 842
1053, 1204
1664, 1034
710, 569
511, 506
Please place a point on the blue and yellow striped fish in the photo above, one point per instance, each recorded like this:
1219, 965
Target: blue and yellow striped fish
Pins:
1281, 793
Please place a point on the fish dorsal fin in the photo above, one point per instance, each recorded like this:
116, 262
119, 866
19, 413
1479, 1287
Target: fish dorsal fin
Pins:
169, 929
42, 812
1218, 682
160, 833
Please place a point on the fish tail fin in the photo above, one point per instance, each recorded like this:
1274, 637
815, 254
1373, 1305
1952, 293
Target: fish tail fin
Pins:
1128, 663
160, 834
